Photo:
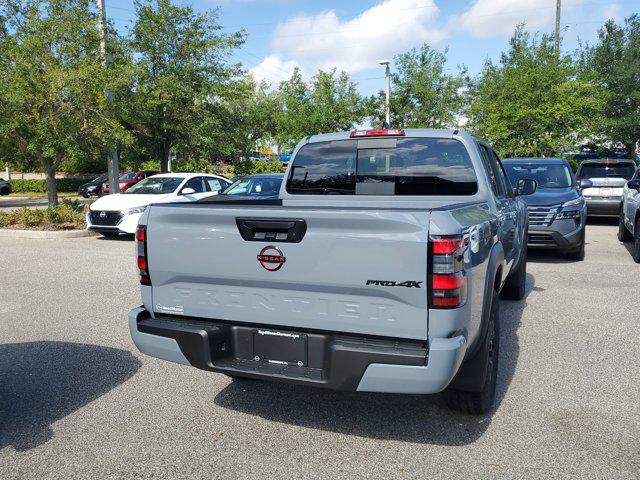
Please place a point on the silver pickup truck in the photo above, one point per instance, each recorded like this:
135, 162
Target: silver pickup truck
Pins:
377, 269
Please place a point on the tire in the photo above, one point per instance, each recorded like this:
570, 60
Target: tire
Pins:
624, 235
109, 234
516, 283
578, 253
481, 402
635, 250
5, 191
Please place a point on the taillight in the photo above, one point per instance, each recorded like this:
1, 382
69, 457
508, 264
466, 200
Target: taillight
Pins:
448, 280
143, 265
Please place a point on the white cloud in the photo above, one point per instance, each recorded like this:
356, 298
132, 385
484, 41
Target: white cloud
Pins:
325, 41
273, 69
494, 18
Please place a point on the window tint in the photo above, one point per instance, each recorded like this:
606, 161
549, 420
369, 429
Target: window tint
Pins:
415, 166
196, 184
324, 168
155, 186
500, 175
488, 162
547, 175
603, 170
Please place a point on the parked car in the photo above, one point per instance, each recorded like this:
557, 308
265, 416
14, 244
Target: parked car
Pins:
5, 187
94, 187
378, 269
629, 223
128, 179
264, 186
112, 215
607, 177
557, 211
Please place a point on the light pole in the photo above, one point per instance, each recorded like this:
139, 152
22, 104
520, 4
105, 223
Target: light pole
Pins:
387, 106
112, 163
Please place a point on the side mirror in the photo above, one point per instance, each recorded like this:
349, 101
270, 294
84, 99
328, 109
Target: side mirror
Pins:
187, 191
634, 184
526, 186
584, 183
219, 191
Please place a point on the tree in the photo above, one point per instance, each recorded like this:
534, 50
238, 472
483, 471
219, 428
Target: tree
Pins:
614, 63
422, 94
51, 80
329, 102
180, 76
531, 104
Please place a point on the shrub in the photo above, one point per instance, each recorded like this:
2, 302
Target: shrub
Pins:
248, 167
23, 185
67, 215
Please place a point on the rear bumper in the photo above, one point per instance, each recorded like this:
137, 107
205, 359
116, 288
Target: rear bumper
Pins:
604, 207
335, 361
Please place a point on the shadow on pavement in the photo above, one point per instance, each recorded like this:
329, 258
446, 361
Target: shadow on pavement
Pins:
42, 382
123, 237
410, 418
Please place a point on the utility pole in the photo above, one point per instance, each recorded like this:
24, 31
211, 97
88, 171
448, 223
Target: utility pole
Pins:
113, 170
558, 8
387, 104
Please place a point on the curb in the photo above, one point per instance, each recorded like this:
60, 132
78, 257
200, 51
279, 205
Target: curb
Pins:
7, 233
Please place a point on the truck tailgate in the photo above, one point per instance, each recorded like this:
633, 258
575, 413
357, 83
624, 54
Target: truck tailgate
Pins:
355, 270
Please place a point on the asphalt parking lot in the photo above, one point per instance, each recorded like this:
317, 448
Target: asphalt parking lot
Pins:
78, 401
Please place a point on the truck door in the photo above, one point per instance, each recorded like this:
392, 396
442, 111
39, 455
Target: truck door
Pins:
507, 214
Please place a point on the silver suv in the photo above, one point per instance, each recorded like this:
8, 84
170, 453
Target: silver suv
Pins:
607, 178
629, 225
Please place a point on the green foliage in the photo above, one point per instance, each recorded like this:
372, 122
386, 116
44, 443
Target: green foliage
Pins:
614, 63
68, 215
531, 103
328, 103
249, 167
19, 185
180, 76
51, 86
422, 94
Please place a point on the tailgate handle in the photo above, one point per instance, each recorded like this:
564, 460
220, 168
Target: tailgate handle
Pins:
290, 230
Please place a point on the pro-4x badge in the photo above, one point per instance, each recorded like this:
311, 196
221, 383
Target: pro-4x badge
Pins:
391, 283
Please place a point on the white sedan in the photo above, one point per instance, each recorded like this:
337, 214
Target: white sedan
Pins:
114, 214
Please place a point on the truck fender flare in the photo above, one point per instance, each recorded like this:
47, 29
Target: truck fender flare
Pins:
471, 374
493, 280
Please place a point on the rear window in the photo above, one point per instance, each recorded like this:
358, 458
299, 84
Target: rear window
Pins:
603, 170
403, 166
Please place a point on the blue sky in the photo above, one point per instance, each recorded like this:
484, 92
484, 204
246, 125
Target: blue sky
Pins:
355, 34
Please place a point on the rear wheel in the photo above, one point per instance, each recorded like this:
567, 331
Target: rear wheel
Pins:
635, 251
515, 285
624, 235
5, 191
481, 401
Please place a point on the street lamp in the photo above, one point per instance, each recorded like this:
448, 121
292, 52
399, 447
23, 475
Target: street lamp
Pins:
386, 103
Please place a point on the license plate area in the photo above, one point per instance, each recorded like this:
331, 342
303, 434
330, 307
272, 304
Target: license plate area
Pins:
282, 348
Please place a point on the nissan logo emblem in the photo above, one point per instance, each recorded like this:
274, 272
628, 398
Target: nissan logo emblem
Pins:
103, 214
271, 258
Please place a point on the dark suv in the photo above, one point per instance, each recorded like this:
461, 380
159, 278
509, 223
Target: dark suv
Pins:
607, 180
557, 212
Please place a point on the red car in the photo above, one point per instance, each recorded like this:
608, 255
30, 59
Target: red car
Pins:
129, 179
